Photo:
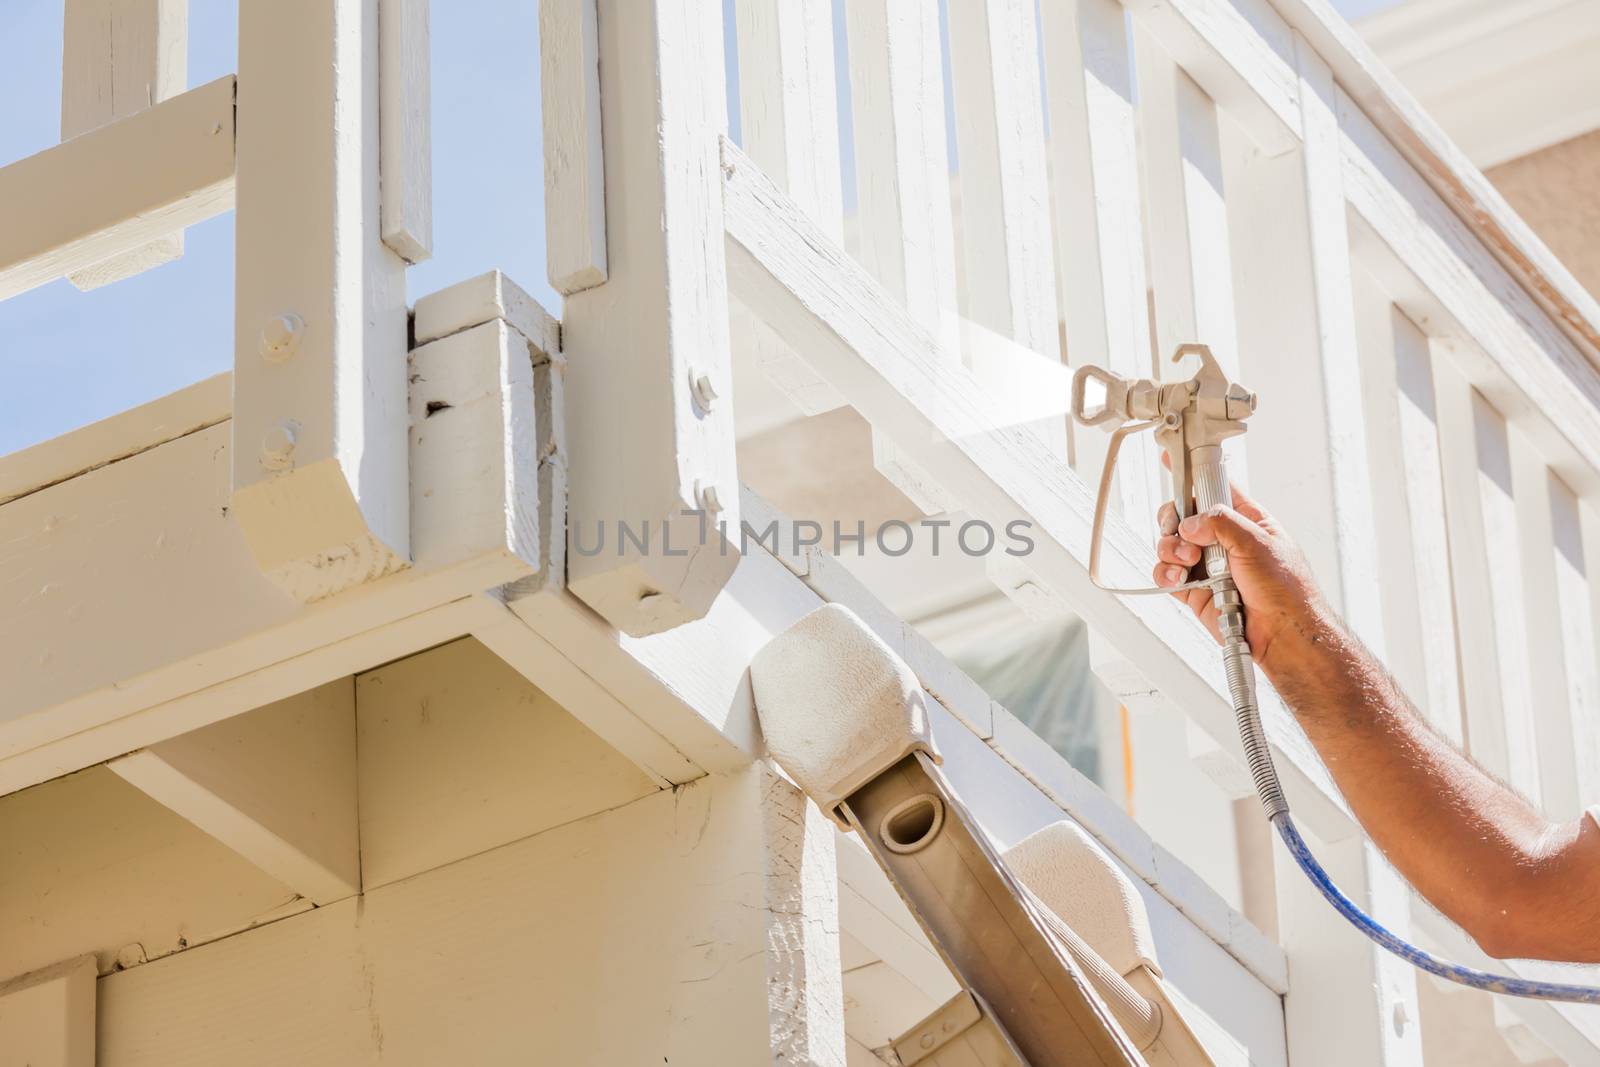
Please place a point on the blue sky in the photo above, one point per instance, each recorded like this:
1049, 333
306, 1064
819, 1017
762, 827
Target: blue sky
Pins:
68, 358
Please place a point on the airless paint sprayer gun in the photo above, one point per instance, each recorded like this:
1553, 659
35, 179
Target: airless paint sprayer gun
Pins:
1191, 419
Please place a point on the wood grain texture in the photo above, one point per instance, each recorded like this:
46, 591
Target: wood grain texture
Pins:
156, 527
118, 437
319, 425
118, 187
574, 152
405, 124
119, 57
645, 448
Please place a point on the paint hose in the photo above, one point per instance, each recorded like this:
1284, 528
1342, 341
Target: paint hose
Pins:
1211, 490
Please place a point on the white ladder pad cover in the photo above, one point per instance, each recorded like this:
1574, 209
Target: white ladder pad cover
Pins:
837, 706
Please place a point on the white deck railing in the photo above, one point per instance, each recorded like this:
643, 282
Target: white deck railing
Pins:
1132, 176
1243, 175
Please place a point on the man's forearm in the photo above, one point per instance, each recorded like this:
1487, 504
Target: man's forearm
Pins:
1472, 846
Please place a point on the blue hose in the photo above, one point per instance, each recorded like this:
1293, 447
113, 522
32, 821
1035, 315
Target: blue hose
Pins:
1454, 972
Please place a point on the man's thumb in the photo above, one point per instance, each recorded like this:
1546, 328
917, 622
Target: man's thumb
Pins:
1220, 526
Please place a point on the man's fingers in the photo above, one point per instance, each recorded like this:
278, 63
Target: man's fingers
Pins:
1168, 575
1167, 518
1221, 526
1173, 549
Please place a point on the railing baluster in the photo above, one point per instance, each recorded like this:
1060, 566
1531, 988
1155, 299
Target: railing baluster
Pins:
1483, 544
648, 351
119, 57
1578, 578
1414, 556
574, 151
907, 239
1094, 171
789, 120
1191, 268
405, 124
1004, 191
1541, 629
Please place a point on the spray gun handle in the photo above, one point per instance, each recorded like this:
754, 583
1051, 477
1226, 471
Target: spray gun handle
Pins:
1209, 471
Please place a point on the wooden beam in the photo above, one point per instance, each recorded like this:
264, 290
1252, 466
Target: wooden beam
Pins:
648, 351
862, 341
405, 125
117, 188
119, 57
118, 437
47, 1016
276, 785
156, 527
319, 421
574, 155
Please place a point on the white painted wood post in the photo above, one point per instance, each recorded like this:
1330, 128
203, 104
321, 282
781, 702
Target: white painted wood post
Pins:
1408, 490
1191, 268
1005, 193
1543, 632
1298, 323
574, 158
119, 57
907, 232
405, 123
1483, 543
1094, 170
789, 118
1578, 564
649, 370
319, 382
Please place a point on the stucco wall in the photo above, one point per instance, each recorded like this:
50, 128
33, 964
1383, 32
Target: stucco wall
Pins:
1557, 190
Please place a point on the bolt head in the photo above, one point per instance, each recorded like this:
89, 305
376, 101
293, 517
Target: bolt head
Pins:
277, 447
280, 336
710, 502
703, 388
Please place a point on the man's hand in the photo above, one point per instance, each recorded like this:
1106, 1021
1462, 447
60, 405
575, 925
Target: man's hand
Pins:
1280, 595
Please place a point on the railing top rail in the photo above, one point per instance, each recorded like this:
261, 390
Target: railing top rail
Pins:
1395, 112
